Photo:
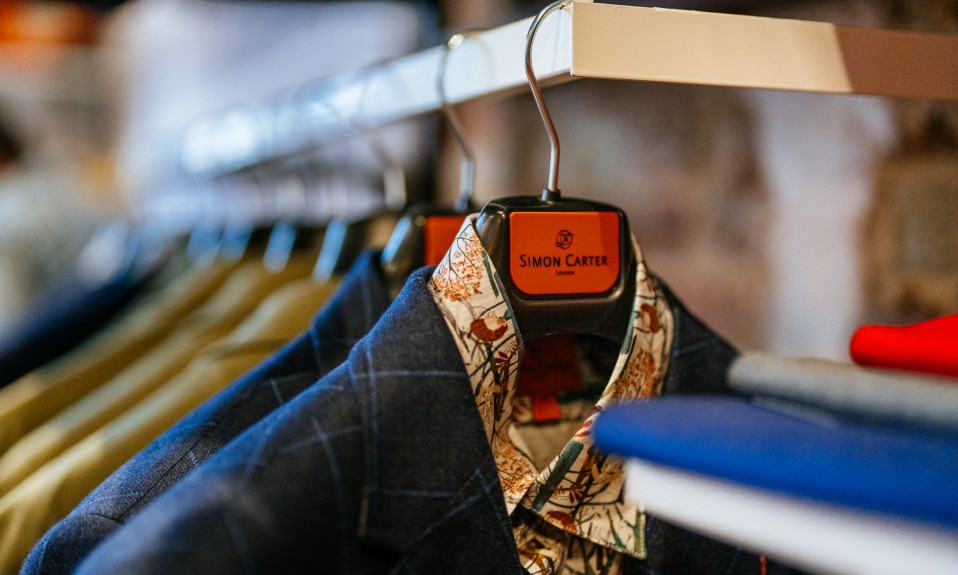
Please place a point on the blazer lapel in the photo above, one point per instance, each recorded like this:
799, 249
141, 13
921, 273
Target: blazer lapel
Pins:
431, 482
698, 363
699, 358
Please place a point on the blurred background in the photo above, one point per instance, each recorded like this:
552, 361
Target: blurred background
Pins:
784, 220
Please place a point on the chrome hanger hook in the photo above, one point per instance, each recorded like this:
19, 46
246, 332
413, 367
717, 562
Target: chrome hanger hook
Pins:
394, 178
551, 192
467, 174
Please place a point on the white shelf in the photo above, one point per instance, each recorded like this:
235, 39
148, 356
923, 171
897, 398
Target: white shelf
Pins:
586, 40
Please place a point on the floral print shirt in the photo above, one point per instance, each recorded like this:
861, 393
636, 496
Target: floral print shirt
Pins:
568, 517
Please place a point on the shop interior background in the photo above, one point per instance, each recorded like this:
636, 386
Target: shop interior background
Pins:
784, 220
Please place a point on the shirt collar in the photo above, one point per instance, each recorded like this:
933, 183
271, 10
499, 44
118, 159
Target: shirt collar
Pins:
580, 490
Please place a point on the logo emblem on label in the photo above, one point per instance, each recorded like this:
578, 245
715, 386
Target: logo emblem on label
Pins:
564, 239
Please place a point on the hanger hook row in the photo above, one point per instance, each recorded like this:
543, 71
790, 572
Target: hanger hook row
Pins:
396, 193
551, 192
467, 177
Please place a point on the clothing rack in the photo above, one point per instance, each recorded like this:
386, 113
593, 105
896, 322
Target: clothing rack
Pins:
585, 40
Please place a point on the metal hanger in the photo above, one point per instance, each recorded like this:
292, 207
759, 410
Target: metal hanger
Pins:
203, 242
289, 233
239, 227
467, 172
603, 313
405, 251
346, 238
551, 192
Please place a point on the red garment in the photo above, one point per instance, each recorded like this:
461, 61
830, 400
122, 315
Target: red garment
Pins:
930, 346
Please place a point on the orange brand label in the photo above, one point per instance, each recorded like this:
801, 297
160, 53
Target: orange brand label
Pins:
555, 253
439, 233
546, 409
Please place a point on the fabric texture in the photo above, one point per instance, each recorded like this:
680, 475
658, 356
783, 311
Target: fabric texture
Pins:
880, 468
61, 319
34, 398
48, 495
359, 301
899, 397
388, 449
236, 299
573, 518
930, 347
381, 466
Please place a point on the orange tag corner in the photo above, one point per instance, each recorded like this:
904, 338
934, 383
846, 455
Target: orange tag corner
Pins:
440, 231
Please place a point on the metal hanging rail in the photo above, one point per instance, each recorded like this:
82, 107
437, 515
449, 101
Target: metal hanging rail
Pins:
585, 40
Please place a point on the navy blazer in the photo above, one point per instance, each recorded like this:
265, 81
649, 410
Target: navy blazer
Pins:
381, 467
349, 315
62, 318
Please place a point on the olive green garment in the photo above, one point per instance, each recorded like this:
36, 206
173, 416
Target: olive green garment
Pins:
52, 491
37, 396
233, 303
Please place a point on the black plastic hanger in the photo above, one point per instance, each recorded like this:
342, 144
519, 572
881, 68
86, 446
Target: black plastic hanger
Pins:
203, 243
226, 234
240, 232
119, 248
346, 238
292, 231
602, 308
406, 249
